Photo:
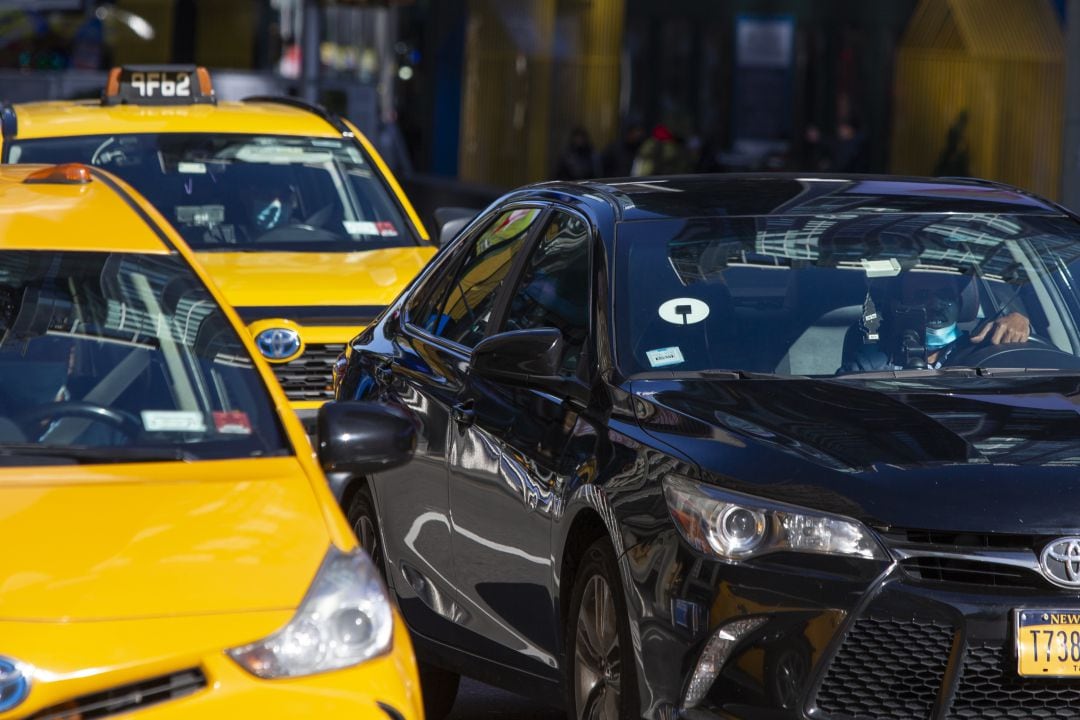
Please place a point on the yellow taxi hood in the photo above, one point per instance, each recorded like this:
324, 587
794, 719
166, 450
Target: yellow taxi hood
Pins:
143, 540
372, 277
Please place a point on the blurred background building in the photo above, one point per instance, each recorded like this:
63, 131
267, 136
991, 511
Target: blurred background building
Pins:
495, 93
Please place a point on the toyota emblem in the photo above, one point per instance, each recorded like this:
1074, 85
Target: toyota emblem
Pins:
278, 343
14, 683
1060, 562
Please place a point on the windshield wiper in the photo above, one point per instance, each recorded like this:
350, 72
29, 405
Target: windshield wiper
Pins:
86, 453
717, 374
951, 371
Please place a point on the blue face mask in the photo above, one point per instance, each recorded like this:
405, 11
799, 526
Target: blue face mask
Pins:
940, 337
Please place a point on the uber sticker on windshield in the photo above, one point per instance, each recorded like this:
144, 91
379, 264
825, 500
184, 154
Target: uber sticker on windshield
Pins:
173, 421
684, 311
664, 356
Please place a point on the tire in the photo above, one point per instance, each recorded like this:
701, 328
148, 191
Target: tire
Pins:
439, 687
602, 675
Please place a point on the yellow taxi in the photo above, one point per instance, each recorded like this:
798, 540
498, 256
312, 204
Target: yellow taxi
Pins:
173, 550
290, 208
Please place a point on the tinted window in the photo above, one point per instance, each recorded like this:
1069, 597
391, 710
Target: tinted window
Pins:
246, 192
462, 301
127, 353
554, 288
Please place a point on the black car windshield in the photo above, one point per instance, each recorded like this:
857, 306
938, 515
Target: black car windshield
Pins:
246, 192
821, 294
116, 357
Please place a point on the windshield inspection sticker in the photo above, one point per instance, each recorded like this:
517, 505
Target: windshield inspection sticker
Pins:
173, 421
191, 168
664, 356
881, 268
684, 311
360, 227
232, 422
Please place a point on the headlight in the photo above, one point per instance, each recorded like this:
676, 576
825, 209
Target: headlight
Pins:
344, 620
736, 527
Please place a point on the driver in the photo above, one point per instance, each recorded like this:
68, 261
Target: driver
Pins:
921, 328
271, 207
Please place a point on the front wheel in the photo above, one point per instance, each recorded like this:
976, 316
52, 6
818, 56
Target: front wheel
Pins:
438, 687
602, 678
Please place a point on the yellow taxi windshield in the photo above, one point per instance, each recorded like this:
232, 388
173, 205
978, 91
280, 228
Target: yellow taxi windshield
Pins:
117, 357
243, 193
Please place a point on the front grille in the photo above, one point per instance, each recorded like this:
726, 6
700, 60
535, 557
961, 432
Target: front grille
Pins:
973, 572
126, 698
887, 670
989, 688
309, 377
995, 541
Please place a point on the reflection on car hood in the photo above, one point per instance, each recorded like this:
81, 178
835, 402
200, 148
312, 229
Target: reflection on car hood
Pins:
168, 539
931, 453
373, 277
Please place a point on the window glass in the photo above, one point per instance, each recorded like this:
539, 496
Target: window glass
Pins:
554, 288
248, 193
126, 354
463, 302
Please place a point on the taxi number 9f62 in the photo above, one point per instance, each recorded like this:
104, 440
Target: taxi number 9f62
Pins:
167, 84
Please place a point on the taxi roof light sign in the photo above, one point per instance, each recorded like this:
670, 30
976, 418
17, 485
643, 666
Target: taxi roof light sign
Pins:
158, 85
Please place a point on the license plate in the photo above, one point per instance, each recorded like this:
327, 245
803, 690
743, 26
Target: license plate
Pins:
1048, 642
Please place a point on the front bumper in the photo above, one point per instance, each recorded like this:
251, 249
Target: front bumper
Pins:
205, 684
841, 640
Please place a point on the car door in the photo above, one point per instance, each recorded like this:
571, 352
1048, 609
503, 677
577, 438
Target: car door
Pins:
503, 457
447, 314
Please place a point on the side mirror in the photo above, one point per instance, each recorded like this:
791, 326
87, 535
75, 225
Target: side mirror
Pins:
360, 438
449, 221
530, 358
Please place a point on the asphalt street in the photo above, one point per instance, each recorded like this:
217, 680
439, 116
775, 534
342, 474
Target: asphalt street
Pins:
476, 700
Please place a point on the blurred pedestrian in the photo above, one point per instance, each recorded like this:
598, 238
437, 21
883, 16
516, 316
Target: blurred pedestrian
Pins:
847, 152
617, 159
391, 144
664, 153
579, 161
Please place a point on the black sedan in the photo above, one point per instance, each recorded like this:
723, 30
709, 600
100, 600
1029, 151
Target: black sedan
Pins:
739, 446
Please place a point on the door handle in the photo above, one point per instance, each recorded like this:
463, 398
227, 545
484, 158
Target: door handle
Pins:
463, 413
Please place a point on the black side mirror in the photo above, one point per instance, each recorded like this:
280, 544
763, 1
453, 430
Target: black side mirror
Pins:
521, 357
360, 438
449, 221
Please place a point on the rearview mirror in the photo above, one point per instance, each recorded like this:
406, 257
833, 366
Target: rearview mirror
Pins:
360, 438
530, 358
449, 221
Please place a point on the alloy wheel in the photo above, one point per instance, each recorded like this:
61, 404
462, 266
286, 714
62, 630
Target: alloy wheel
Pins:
598, 671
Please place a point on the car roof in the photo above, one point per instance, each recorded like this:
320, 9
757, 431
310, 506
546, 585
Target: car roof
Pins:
744, 194
90, 117
100, 215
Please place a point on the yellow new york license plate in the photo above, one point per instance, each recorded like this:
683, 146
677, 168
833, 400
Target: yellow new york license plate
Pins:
1048, 642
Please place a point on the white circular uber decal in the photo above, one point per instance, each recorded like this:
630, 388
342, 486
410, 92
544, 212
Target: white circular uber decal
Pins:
684, 311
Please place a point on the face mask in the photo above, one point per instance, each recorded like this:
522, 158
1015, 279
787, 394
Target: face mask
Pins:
940, 337
269, 216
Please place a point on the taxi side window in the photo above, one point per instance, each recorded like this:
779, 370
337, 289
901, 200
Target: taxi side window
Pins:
463, 300
554, 286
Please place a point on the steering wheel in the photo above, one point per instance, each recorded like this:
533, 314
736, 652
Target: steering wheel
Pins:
120, 420
289, 232
1035, 353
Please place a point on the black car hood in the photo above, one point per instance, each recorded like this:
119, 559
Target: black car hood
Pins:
981, 453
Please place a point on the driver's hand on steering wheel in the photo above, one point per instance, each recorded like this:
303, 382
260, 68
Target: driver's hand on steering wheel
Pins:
1011, 328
